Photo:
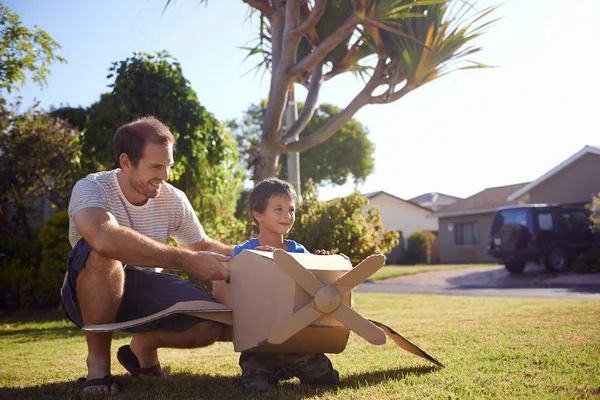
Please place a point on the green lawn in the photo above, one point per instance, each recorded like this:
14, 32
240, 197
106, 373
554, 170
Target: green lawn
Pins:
500, 348
392, 271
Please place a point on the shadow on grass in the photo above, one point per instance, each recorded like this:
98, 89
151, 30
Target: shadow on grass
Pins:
24, 335
187, 386
30, 315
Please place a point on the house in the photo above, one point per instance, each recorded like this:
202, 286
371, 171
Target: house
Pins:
434, 201
402, 216
464, 226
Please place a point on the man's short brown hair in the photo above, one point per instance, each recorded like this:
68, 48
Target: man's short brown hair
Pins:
263, 191
132, 138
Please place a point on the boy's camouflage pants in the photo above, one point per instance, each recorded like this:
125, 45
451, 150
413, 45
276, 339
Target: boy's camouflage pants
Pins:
263, 371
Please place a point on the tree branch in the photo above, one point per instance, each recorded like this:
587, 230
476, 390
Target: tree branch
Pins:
335, 123
332, 126
310, 105
386, 98
312, 20
262, 6
330, 43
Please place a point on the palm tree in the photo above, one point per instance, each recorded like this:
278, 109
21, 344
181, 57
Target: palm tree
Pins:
394, 46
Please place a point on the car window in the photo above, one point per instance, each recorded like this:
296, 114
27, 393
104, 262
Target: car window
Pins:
563, 221
509, 217
581, 222
545, 221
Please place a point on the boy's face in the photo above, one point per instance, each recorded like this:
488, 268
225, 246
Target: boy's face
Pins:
279, 215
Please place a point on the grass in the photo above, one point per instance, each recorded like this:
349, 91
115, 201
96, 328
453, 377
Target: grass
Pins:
493, 348
392, 271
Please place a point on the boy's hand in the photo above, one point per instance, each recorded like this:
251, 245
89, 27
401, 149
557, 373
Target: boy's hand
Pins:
265, 248
323, 252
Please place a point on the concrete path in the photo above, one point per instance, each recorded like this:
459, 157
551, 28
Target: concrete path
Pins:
535, 281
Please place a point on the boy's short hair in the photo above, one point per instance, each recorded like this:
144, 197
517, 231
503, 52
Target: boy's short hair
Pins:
263, 191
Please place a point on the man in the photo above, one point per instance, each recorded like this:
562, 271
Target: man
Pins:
119, 222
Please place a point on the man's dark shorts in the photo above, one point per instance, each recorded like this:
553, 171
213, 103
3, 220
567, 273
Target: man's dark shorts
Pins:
145, 293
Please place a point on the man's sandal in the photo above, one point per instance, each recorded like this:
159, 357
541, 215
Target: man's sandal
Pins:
130, 362
106, 381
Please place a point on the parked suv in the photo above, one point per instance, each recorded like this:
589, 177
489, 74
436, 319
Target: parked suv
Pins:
550, 235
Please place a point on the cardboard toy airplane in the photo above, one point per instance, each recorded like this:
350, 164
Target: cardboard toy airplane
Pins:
287, 303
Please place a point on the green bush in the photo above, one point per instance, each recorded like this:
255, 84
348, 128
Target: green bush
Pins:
595, 216
339, 225
418, 246
32, 270
19, 262
54, 239
588, 262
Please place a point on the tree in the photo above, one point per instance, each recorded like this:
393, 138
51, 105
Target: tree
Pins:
595, 215
207, 162
40, 160
396, 46
349, 154
23, 50
341, 225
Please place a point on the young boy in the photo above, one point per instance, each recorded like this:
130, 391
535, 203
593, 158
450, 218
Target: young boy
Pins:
272, 206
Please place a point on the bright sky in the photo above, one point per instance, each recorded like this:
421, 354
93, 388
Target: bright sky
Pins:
457, 135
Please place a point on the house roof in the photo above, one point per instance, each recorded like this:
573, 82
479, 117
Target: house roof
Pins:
521, 191
432, 197
370, 195
488, 200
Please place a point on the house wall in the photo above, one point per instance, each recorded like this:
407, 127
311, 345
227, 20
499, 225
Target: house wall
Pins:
451, 253
401, 216
574, 185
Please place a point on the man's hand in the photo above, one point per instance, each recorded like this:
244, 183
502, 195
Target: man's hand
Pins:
207, 266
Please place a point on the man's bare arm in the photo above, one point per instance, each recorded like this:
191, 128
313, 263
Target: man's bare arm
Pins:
208, 244
102, 232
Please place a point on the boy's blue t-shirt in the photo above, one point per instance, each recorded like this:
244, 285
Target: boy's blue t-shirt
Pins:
292, 247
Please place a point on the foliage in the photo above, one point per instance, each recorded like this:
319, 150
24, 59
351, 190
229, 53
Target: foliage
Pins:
19, 262
341, 226
32, 270
40, 162
395, 46
54, 240
595, 215
348, 154
76, 116
207, 162
24, 51
588, 262
418, 247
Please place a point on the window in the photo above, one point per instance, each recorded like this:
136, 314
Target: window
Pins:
465, 233
545, 221
563, 222
512, 217
581, 222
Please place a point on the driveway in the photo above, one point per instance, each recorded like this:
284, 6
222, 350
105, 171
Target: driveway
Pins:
535, 281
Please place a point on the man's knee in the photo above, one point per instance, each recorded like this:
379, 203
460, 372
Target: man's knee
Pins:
102, 276
95, 261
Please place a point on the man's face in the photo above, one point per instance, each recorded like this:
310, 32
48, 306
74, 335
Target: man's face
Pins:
152, 170
279, 215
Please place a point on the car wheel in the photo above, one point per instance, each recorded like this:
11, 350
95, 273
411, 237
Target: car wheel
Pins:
557, 260
515, 267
